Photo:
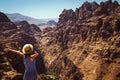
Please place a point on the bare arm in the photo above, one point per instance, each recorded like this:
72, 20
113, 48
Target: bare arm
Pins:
34, 55
15, 51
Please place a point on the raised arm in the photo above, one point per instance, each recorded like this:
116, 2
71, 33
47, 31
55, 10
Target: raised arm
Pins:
34, 55
15, 51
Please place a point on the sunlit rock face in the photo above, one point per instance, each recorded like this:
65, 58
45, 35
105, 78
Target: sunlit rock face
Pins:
85, 44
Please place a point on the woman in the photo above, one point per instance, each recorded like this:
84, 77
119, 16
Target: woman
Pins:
29, 56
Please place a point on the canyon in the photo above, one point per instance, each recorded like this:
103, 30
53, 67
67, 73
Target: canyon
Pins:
85, 44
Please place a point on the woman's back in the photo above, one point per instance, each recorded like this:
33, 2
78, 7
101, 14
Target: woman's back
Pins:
30, 69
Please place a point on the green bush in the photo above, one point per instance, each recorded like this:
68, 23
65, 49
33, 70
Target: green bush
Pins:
49, 76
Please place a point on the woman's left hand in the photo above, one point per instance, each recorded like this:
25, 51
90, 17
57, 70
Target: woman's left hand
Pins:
6, 49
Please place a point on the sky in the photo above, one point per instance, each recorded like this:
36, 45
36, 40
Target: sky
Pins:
41, 9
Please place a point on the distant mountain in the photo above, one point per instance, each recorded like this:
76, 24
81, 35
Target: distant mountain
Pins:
51, 22
48, 19
16, 17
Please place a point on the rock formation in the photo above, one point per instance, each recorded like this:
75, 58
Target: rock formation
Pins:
12, 36
3, 18
85, 45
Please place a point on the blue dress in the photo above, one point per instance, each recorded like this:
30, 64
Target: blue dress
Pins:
30, 69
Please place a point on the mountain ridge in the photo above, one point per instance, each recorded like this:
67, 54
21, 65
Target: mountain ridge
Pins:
17, 17
85, 43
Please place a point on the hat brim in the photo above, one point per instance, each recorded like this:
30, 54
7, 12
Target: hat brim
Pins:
29, 51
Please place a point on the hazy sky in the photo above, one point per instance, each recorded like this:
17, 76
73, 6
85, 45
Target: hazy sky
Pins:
40, 8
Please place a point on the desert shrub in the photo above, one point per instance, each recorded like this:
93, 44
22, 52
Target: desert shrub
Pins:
49, 76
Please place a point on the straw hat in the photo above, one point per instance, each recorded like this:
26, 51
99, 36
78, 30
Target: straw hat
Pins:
27, 49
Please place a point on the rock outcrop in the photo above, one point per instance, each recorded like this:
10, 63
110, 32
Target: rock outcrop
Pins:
3, 18
67, 17
85, 43
88, 10
12, 36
